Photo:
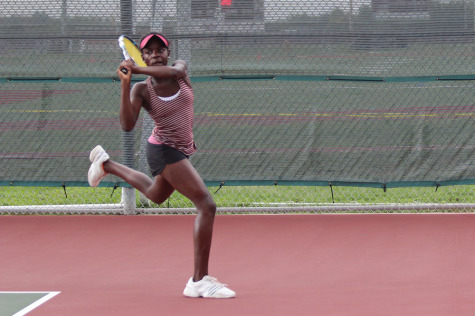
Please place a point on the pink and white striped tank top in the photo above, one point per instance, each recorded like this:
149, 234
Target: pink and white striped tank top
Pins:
173, 118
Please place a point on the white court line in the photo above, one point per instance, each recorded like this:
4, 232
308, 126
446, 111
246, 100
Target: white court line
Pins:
35, 304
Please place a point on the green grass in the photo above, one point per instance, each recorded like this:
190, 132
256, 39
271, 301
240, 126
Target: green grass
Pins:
247, 196
11, 196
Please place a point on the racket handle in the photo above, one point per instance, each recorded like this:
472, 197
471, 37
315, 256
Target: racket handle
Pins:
124, 70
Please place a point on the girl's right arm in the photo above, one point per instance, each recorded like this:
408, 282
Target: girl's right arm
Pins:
131, 100
176, 71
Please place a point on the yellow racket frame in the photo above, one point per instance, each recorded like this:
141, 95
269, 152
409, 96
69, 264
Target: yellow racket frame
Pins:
131, 51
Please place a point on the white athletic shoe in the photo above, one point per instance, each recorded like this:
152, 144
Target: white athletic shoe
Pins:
96, 173
208, 287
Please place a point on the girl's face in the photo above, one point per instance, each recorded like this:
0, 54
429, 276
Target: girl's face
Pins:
155, 53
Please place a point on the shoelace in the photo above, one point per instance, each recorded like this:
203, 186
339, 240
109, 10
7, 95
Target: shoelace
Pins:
214, 280
216, 285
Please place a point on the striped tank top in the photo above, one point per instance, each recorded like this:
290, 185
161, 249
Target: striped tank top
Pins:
173, 118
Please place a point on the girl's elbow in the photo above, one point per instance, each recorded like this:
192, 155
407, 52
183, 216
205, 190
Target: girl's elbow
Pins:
126, 126
179, 71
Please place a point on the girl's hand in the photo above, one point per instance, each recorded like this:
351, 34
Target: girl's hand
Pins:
125, 65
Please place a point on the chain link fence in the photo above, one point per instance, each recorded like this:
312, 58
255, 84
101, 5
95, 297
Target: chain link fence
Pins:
314, 106
244, 199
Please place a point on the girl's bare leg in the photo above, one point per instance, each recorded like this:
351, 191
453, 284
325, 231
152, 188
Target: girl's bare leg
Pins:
183, 177
157, 190
186, 180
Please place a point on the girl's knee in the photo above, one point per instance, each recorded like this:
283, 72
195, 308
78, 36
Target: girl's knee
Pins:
207, 205
212, 207
158, 200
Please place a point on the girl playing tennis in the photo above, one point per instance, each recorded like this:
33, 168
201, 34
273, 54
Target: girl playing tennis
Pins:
167, 96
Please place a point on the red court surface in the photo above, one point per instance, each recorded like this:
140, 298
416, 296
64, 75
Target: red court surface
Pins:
381, 264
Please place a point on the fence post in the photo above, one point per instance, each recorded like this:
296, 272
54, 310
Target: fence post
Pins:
128, 194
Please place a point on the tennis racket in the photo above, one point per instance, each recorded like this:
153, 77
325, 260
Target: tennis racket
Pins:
130, 51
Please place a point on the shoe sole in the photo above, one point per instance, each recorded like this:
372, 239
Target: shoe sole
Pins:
94, 152
92, 157
96, 183
191, 293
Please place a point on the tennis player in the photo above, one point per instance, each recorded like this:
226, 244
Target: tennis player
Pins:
167, 96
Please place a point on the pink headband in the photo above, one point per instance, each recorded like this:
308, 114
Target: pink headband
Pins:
148, 37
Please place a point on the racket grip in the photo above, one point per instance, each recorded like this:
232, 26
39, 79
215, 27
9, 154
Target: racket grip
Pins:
124, 70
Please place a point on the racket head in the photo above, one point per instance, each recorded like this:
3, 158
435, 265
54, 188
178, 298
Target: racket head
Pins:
130, 50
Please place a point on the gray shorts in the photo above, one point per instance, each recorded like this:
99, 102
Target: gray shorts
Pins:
158, 156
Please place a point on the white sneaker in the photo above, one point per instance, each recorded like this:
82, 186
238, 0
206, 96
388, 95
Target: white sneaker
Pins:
208, 287
96, 173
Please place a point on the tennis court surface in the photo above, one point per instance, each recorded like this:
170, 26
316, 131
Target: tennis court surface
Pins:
325, 264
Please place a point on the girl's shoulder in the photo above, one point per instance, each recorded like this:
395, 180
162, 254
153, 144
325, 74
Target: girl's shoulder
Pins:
141, 85
140, 89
